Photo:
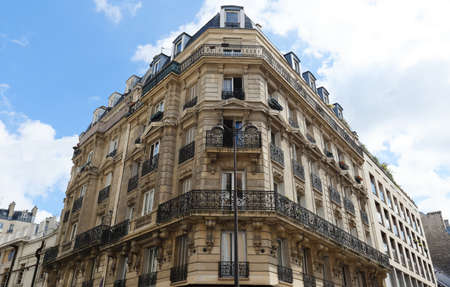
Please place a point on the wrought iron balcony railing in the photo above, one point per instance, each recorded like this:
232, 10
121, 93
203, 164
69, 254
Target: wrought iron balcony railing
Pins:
157, 116
116, 232
150, 165
133, 183
89, 283
147, 280
299, 171
50, 254
226, 269
112, 153
186, 152
66, 215
348, 205
274, 104
285, 274
328, 153
276, 154
327, 283
207, 201
238, 94
77, 204
120, 283
309, 280
334, 195
91, 237
364, 217
189, 104
316, 182
343, 165
103, 194
178, 273
293, 123
248, 138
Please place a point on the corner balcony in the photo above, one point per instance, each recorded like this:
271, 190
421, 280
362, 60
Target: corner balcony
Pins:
237, 94
226, 269
189, 104
208, 202
276, 154
187, 152
309, 280
148, 279
178, 273
150, 165
219, 139
91, 237
285, 274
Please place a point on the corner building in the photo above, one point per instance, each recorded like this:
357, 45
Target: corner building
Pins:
149, 201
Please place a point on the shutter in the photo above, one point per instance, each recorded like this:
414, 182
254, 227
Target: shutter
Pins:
237, 84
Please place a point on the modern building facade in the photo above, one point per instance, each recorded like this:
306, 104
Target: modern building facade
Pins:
436, 232
149, 202
398, 229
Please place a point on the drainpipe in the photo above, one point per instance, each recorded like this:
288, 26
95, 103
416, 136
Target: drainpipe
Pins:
16, 248
37, 254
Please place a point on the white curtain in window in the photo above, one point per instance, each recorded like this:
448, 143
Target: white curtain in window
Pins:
228, 84
227, 246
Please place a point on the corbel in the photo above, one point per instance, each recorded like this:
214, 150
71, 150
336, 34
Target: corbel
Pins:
210, 225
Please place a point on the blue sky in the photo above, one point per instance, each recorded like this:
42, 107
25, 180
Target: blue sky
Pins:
59, 60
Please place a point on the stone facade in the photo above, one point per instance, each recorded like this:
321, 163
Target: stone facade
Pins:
150, 198
438, 240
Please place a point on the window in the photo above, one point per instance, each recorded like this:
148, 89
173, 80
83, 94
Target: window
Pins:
83, 190
181, 251
306, 261
388, 223
401, 211
394, 249
379, 215
353, 229
159, 107
402, 255
232, 84
394, 226
156, 67
320, 210
10, 228
402, 232
278, 187
189, 135
296, 66
178, 47
380, 189
1, 227
108, 179
154, 150
73, 233
147, 204
231, 19
185, 185
368, 238
11, 255
396, 205
112, 146
122, 274
301, 200
385, 244
130, 212
227, 246
372, 184
389, 200
150, 262
282, 253
89, 157
192, 92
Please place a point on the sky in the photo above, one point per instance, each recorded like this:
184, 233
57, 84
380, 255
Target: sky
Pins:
386, 62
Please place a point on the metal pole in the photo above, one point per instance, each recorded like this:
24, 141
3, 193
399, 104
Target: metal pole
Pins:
236, 257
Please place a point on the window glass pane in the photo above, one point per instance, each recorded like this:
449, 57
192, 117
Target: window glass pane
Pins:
231, 17
227, 84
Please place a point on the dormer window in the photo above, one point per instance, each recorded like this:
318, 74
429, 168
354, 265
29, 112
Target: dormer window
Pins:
156, 67
178, 47
232, 19
113, 99
159, 107
296, 66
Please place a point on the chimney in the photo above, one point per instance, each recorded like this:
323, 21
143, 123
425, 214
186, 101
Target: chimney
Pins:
11, 207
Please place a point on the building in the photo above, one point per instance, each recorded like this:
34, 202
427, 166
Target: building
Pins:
149, 200
14, 223
20, 258
436, 231
398, 229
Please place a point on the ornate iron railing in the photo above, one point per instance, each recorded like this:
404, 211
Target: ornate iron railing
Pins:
186, 152
299, 171
348, 205
173, 67
156, 117
150, 165
50, 254
343, 165
116, 232
103, 194
112, 154
328, 153
310, 138
133, 182
274, 104
238, 94
91, 237
66, 215
178, 273
207, 201
334, 195
189, 104
364, 217
226, 269
293, 123
309, 280
77, 204
147, 280
316, 182
120, 283
89, 283
285, 274
276, 154
134, 107
327, 283
248, 138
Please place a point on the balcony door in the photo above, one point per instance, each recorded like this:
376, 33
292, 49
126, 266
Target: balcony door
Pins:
227, 247
229, 125
228, 187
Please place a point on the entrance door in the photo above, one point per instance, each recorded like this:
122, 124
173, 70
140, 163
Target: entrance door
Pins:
228, 187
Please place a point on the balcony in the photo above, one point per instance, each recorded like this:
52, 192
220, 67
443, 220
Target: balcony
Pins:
120, 283
116, 232
150, 165
310, 138
178, 273
334, 195
276, 154
186, 152
226, 269
201, 202
217, 137
348, 205
328, 153
189, 104
327, 283
50, 254
293, 123
147, 280
66, 215
274, 104
77, 204
299, 171
316, 182
358, 179
285, 274
112, 154
89, 283
364, 217
237, 94
103, 194
343, 165
91, 237
309, 280
133, 183
156, 117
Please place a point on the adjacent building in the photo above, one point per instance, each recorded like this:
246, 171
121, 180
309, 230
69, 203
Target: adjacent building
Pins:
149, 202
15, 223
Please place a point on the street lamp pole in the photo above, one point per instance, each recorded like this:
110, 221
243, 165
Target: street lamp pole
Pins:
236, 254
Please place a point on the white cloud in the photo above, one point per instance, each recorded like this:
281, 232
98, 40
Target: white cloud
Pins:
115, 11
3, 99
41, 215
386, 62
21, 42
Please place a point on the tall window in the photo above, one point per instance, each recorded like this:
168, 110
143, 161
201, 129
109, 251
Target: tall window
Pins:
301, 200
10, 228
307, 269
380, 189
227, 246
282, 253
396, 205
192, 92
73, 233
394, 248
154, 150
394, 226
159, 107
296, 66
278, 187
231, 19
112, 146
122, 274
147, 204
388, 223
189, 135
156, 66
83, 190
372, 184
181, 251
385, 244
379, 215
389, 200
185, 185
150, 263
178, 47
108, 179
231, 84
